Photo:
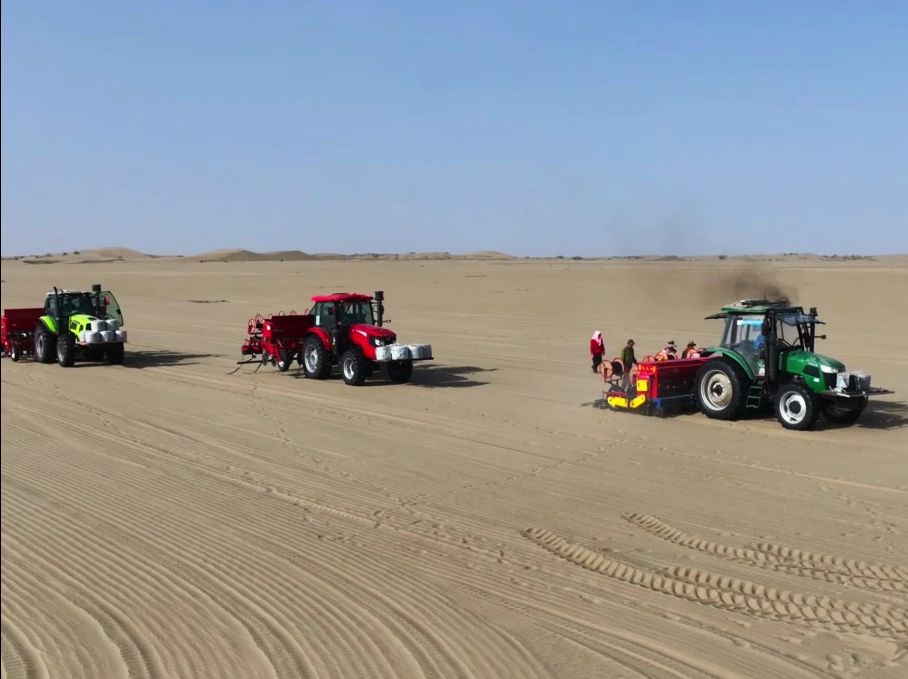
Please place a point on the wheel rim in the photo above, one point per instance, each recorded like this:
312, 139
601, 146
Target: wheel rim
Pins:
349, 368
716, 391
39, 345
793, 408
311, 358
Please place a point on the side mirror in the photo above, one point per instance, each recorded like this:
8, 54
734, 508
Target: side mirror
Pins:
821, 336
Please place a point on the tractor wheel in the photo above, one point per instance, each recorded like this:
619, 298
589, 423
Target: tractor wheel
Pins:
353, 367
45, 345
285, 361
721, 389
839, 415
15, 352
796, 407
66, 350
399, 371
113, 355
316, 361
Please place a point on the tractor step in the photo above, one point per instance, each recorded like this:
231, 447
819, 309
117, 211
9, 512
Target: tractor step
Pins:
755, 394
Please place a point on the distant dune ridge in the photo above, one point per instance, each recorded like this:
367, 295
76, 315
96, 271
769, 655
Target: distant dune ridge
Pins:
120, 254
242, 255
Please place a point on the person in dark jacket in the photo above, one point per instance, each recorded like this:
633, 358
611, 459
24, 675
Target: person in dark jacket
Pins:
627, 354
629, 361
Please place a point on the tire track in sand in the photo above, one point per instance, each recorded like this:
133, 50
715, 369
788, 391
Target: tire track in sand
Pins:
840, 570
766, 602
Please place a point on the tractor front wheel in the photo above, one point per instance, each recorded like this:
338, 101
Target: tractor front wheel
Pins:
353, 367
113, 355
316, 362
721, 389
796, 407
45, 345
15, 352
400, 371
839, 415
66, 350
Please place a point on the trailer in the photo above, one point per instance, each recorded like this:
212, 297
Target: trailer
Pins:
658, 388
17, 328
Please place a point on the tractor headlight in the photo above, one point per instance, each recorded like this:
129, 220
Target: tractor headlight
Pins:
378, 342
828, 369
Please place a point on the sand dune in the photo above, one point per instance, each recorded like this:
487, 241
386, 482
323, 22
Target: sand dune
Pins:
167, 519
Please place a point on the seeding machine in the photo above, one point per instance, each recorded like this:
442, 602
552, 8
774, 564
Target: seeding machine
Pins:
343, 329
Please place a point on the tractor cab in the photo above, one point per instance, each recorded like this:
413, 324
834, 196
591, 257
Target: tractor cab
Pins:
69, 303
98, 304
345, 310
760, 332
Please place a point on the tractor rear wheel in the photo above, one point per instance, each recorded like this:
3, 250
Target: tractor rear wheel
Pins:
400, 371
796, 407
66, 350
316, 362
45, 345
839, 415
113, 355
285, 361
353, 367
721, 389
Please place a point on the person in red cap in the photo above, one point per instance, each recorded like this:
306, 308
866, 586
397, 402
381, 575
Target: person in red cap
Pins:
597, 349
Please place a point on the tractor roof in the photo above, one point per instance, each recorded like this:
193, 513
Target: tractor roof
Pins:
342, 297
756, 306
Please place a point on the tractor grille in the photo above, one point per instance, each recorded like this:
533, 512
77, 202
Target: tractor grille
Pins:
830, 379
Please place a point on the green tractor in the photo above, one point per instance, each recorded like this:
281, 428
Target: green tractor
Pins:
76, 323
766, 357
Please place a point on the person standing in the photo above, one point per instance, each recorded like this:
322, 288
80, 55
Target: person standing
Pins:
629, 361
597, 349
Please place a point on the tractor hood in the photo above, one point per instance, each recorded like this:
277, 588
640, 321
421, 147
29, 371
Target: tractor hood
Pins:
376, 335
796, 361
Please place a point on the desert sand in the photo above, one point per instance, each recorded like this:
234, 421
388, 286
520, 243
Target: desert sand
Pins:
167, 519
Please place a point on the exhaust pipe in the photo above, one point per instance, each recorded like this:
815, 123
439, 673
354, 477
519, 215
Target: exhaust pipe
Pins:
772, 349
379, 307
96, 293
61, 321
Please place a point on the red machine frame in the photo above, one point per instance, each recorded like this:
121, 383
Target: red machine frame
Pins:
17, 331
660, 387
278, 338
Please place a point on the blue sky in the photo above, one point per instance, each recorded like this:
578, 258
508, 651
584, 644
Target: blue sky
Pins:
585, 128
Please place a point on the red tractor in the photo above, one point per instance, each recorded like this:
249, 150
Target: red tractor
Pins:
343, 329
